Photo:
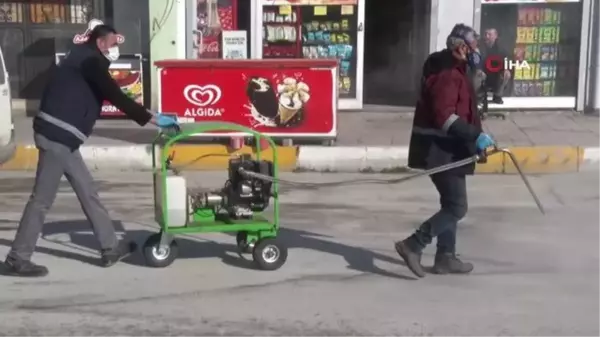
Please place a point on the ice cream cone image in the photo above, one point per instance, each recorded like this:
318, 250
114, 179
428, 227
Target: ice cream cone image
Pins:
293, 96
285, 114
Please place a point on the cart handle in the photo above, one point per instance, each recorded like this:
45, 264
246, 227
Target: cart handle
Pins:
189, 130
173, 135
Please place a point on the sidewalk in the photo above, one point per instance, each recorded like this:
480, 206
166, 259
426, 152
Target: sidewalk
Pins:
367, 141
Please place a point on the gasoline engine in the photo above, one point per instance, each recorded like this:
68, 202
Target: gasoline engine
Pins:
242, 195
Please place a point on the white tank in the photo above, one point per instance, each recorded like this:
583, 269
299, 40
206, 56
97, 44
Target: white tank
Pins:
177, 205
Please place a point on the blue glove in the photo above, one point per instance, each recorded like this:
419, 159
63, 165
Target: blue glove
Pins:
164, 121
483, 142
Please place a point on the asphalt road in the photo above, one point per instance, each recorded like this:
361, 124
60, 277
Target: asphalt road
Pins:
534, 274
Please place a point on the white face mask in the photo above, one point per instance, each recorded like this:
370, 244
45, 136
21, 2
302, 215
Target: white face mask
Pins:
113, 54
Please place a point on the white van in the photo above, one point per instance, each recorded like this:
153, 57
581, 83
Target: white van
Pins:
7, 140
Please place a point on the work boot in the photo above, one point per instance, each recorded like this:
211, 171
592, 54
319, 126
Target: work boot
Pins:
112, 256
497, 100
411, 258
14, 267
450, 264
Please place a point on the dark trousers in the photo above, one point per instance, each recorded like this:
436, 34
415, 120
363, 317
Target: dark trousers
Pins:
452, 188
498, 83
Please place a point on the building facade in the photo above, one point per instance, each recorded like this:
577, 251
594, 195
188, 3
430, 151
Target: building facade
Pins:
381, 44
34, 32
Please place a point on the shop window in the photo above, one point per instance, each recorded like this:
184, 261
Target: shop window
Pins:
532, 48
304, 30
61, 11
213, 17
11, 12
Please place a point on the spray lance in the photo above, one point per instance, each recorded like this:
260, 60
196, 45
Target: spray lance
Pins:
439, 169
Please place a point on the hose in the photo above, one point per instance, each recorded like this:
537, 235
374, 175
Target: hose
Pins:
435, 170
439, 169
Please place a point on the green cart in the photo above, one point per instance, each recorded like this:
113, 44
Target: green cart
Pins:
238, 207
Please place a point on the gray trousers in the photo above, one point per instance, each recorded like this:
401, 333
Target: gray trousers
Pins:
56, 160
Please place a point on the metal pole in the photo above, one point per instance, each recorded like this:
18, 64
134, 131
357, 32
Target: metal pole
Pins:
595, 66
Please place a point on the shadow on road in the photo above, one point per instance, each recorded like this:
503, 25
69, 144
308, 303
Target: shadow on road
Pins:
80, 237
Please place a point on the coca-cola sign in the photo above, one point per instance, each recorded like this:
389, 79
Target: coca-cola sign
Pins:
82, 38
212, 18
210, 47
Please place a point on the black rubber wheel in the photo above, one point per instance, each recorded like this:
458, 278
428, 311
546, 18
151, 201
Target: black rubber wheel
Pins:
155, 257
242, 242
268, 254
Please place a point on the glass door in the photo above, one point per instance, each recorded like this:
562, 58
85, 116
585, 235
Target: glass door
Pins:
205, 22
315, 29
532, 51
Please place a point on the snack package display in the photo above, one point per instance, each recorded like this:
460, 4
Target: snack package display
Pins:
521, 52
331, 36
545, 53
344, 68
537, 40
332, 51
519, 36
535, 68
538, 88
305, 31
518, 74
281, 31
544, 71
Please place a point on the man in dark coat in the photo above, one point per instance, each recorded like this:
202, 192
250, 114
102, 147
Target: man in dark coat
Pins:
70, 105
446, 128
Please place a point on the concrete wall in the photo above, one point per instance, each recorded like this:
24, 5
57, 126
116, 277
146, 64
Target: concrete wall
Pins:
165, 36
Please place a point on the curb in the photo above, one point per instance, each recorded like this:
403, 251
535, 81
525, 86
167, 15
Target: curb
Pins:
531, 159
139, 157
390, 159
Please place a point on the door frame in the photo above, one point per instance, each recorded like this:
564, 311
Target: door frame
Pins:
357, 102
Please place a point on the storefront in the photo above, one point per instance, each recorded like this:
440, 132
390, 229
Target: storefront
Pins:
276, 29
33, 32
546, 42
380, 44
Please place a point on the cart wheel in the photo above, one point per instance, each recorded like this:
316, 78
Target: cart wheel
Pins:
157, 257
268, 254
242, 242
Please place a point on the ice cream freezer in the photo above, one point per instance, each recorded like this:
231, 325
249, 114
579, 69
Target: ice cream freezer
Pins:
284, 98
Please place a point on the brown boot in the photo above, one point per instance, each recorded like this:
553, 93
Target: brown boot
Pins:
411, 258
450, 264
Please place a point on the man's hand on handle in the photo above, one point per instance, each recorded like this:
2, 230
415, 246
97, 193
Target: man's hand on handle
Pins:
163, 121
483, 142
